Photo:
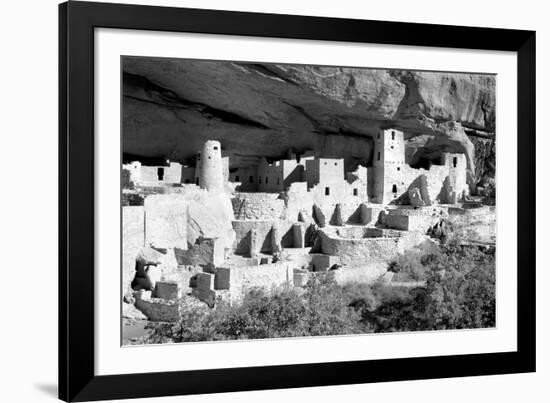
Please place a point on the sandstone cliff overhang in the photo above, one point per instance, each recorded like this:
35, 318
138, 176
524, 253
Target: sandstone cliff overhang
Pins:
172, 106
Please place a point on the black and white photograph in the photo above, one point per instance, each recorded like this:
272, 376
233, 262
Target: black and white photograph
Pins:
285, 201
264, 200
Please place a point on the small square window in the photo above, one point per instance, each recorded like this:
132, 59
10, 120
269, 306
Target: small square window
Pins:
335, 164
215, 147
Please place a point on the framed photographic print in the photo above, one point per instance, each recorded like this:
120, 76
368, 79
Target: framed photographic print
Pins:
258, 201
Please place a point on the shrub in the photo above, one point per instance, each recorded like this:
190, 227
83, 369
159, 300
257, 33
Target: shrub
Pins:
459, 293
328, 311
408, 266
320, 309
463, 294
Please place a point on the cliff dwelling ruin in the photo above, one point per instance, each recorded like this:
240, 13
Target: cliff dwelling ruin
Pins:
211, 231
239, 175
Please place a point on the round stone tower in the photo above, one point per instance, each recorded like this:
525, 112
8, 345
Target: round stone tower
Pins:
211, 168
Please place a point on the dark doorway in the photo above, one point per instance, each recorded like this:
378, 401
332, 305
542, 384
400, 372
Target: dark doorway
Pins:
394, 188
160, 174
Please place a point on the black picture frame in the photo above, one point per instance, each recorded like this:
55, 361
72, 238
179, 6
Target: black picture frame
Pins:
77, 21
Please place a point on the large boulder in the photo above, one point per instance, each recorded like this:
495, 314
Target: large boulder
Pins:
209, 216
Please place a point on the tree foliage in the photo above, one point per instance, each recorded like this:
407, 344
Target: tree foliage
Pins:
459, 293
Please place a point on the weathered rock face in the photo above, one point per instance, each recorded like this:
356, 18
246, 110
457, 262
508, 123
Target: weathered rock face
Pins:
171, 106
209, 216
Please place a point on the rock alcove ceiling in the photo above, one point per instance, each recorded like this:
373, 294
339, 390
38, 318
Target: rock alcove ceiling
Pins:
171, 106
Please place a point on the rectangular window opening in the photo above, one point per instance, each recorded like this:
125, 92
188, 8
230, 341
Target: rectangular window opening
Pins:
355, 192
160, 174
327, 191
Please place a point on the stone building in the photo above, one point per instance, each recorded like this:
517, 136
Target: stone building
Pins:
211, 171
279, 175
187, 174
288, 217
246, 178
145, 175
211, 167
392, 181
388, 167
325, 171
456, 187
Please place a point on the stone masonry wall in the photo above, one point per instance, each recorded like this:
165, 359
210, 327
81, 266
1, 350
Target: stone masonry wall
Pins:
299, 198
205, 251
153, 174
357, 252
133, 240
258, 206
158, 309
238, 279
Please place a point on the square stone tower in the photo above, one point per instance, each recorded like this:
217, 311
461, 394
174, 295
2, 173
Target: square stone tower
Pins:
456, 186
388, 165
